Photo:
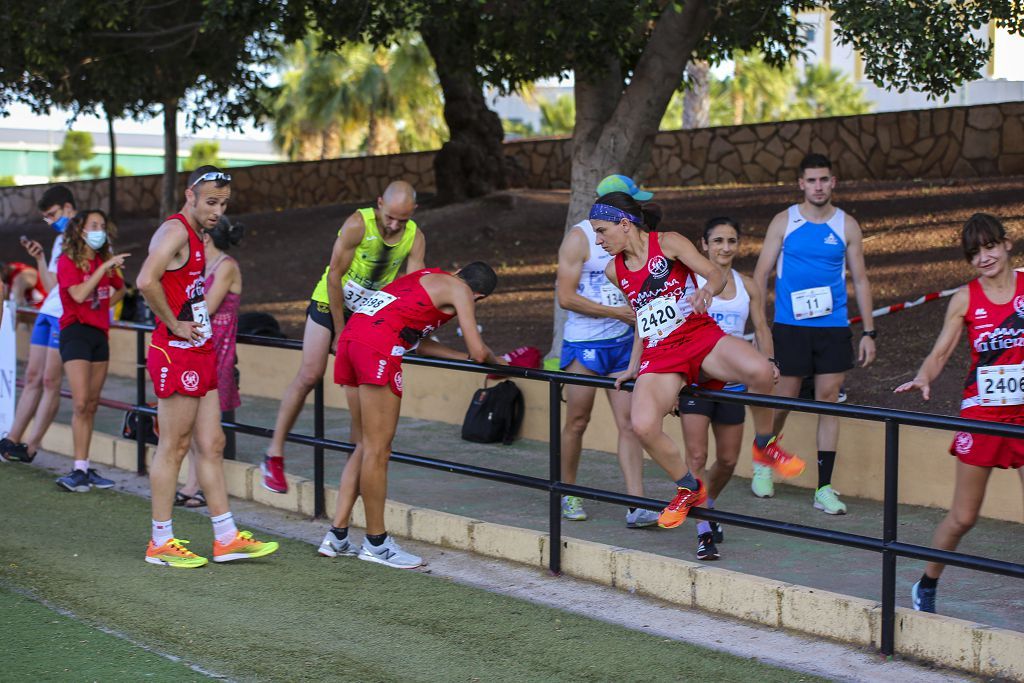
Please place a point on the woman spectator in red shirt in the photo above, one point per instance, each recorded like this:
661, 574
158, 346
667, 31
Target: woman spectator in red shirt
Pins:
90, 282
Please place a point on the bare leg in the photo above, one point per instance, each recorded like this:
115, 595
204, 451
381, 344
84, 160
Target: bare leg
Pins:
695, 442
191, 486
31, 393
728, 439
49, 403
826, 388
629, 449
209, 438
177, 416
380, 409
734, 360
316, 343
86, 380
788, 387
348, 487
653, 397
968, 495
579, 402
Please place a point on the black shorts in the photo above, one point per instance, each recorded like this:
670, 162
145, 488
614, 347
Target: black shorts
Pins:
808, 351
320, 313
720, 413
84, 342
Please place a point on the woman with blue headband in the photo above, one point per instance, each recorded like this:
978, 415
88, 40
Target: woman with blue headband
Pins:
676, 341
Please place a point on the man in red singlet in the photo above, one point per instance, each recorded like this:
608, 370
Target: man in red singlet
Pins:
392, 322
991, 307
181, 363
677, 342
22, 284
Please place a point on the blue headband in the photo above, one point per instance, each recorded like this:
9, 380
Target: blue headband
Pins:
604, 212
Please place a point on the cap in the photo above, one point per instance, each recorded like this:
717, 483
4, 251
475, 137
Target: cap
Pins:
622, 183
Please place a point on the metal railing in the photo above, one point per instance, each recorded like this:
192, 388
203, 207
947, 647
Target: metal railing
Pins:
888, 545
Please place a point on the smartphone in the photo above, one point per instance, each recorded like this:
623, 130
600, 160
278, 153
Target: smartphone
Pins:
24, 240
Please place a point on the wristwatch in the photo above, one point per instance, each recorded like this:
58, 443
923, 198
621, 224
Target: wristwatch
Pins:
869, 333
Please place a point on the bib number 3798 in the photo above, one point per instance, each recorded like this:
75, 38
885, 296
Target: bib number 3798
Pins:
658, 318
376, 302
1001, 385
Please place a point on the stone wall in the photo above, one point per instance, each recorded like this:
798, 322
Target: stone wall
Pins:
951, 142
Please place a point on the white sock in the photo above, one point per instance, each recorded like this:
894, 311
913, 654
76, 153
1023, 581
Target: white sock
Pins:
162, 532
82, 465
224, 527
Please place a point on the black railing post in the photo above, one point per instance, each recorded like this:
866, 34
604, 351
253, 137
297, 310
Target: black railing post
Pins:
319, 504
555, 475
889, 525
140, 400
230, 443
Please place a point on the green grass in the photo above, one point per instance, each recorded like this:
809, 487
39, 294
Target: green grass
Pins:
297, 616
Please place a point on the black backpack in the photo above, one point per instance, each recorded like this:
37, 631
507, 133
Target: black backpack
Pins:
495, 414
260, 324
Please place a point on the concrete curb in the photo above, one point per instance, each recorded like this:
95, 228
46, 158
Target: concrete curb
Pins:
975, 648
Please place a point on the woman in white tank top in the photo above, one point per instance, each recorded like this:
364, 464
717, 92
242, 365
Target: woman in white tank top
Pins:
739, 302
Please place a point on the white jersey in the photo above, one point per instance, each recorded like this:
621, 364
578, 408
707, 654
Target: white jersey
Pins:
595, 286
52, 305
730, 314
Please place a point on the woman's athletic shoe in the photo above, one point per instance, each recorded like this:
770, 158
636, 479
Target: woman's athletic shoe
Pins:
173, 553
675, 513
923, 598
780, 460
389, 554
332, 547
243, 547
273, 474
640, 518
76, 480
97, 481
572, 509
706, 548
827, 500
761, 483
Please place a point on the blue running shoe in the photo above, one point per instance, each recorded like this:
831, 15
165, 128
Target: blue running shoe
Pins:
77, 481
99, 482
923, 598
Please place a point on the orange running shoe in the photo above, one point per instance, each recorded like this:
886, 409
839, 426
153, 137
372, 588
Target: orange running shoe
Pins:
243, 547
173, 553
675, 513
784, 463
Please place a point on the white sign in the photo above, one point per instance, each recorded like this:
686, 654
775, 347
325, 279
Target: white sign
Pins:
8, 365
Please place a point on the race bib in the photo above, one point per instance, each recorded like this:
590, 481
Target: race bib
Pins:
611, 295
658, 318
811, 303
201, 315
376, 302
1001, 385
356, 295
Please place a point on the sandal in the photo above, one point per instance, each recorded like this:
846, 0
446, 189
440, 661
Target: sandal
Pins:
198, 500
180, 499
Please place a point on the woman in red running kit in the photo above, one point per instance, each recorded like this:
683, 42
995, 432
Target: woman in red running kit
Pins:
676, 342
991, 307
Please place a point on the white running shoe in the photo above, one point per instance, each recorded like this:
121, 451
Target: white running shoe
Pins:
827, 500
761, 483
640, 518
389, 554
332, 547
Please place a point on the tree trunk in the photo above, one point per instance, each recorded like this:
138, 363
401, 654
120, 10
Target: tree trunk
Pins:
472, 162
697, 99
112, 188
169, 199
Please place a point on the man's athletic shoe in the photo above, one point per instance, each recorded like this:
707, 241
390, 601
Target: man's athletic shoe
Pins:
923, 598
173, 553
14, 452
761, 483
99, 482
841, 398
639, 518
827, 500
389, 554
76, 480
706, 549
784, 463
572, 509
675, 513
332, 547
273, 474
717, 532
243, 547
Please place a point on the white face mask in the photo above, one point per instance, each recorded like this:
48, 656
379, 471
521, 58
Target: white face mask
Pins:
96, 238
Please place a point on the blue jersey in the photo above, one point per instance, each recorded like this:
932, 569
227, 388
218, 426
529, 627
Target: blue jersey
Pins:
810, 280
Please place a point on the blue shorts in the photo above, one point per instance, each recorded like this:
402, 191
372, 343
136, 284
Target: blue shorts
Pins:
603, 356
46, 331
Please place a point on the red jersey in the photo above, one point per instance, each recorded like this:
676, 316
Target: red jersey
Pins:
95, 310
996, 335
37, 294
185, 290
659, 293
394, 319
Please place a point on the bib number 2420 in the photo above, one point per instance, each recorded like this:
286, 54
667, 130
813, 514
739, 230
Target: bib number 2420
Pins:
658, 318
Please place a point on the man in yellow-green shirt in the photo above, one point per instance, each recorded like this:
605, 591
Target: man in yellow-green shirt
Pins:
367, 255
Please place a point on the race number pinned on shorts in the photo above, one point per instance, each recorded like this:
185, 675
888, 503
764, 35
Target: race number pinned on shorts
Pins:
356, 295
1001, 385
201, 315
658, 318
611, 295
376, 302
811, 303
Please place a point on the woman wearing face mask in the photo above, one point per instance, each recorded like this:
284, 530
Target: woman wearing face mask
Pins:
731, 308
223, 296
90, 281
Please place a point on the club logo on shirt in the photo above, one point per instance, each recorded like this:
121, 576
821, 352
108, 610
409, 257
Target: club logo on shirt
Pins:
962, 443
658, 266
980, 313
1018, 305
831, 239
190, 380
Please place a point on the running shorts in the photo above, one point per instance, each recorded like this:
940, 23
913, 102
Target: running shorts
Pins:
807, 351
181, 371
46, 331
84, 342
357, 364
689, 346
985, 450
602, 357
718, 413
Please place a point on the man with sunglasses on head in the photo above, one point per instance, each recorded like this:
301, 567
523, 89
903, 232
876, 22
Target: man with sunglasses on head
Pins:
181, 363
370, 248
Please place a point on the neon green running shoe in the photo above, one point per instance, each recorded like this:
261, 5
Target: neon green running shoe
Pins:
242, 547
173, 553
761, 483
572, 509
827, 500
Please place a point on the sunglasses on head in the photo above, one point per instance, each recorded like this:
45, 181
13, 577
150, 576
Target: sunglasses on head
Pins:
212, 175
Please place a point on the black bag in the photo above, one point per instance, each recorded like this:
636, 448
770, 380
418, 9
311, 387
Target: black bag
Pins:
495, 414
260, 324
150, 428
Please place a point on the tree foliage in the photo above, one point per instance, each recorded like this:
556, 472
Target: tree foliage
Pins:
203, 154
558, 116
73, 151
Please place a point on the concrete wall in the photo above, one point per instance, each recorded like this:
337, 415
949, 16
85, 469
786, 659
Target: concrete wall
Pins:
953, 142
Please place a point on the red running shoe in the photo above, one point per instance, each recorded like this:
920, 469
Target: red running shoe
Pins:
675, 513
273, 474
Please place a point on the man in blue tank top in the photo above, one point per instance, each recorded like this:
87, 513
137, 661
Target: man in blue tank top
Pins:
810, 245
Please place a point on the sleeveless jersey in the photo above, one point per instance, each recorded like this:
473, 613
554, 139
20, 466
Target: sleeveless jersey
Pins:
37, 294
659, 293
810, 280
594, 286
730, 314
394, 319
375, 263
185, 290
996, 335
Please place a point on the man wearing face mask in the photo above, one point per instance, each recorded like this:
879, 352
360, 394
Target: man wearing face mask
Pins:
41, 396
182, 365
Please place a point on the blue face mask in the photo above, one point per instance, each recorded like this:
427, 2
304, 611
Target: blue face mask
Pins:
96, 238
60, 224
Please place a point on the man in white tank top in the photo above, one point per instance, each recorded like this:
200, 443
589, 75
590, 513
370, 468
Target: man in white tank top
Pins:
597, 340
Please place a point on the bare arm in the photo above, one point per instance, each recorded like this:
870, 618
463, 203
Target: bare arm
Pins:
945, 344
571, 257
861, 287
678, 247
22, 285
226, 272
762, 333
166, 244
461, 298
83, 290
344, 250
416, 260
48, 277
767, 259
